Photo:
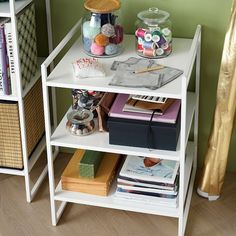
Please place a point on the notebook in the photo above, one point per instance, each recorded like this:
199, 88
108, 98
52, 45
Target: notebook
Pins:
170, 115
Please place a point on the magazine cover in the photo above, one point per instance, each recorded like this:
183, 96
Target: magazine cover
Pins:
163, 171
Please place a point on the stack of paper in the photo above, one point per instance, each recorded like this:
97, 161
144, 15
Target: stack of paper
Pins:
157, 183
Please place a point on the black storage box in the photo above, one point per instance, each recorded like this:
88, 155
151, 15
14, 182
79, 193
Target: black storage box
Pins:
137, 133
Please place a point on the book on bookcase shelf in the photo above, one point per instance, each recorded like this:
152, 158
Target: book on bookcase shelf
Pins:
148, 184
163, 171
4, 64
147, 198
170, 115
133, 105
26, 30
146, 189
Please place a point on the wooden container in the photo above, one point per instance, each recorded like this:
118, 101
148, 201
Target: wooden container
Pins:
10, 134
100, 185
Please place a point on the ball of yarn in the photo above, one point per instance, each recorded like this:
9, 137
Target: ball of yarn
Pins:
111, 49
87, 44
101, 40
97, 50
118, 37
108, 30
90, 32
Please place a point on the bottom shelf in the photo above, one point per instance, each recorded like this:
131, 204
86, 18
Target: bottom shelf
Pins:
111, 202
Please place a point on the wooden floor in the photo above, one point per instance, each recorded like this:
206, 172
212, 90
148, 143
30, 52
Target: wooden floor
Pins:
20, 218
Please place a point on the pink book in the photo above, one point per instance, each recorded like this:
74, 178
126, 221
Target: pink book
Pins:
170, 115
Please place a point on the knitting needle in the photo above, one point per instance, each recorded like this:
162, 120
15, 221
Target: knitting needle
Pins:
148, 69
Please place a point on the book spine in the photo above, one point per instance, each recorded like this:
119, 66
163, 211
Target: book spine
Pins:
4, 62
9, 42
1, 65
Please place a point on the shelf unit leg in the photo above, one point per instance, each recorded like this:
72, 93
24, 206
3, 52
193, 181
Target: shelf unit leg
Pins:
181, 225
20, 102
50, 156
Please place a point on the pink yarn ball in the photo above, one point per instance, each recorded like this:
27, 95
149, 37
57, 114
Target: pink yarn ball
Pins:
97, 50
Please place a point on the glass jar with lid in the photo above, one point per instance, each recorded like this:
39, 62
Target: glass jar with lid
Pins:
102, 34
153, 33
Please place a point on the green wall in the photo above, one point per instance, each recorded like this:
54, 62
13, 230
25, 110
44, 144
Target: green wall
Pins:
185, 15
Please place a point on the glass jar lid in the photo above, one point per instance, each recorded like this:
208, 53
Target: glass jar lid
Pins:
153, 16
102, 6
81, 116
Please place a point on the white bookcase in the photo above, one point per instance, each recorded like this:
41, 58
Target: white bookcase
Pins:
186, 53
10, 9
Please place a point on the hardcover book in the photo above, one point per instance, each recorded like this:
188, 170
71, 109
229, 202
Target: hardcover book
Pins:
146, 189
4, 64
147, 198
170, 116
133, 105
147, 184
164, 171
26, 29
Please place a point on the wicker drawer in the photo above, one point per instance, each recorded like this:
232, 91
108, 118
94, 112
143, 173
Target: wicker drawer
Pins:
10, 137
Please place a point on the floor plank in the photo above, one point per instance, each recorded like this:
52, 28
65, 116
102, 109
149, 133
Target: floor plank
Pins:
20, 218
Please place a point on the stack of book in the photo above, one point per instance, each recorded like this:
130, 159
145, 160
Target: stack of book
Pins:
147, 180
144, 121
72, 180
26, 30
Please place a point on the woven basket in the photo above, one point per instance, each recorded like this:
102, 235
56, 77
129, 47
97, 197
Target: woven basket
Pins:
10, 136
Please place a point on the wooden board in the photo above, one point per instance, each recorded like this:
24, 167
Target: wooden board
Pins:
72, 181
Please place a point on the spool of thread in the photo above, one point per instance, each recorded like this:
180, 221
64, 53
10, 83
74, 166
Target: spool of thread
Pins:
148, 37
140, 32
159, 52
148, 45
168, 50
166, 31
165, 46
108, 30
139, 47
101, 40
156, 36
140, 40
118, 37
161, 41
148, 52
95, 20
90, 32
87, 44
168, 38
97, 50
111, 49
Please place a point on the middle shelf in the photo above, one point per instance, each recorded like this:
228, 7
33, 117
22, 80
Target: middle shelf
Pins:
100, 141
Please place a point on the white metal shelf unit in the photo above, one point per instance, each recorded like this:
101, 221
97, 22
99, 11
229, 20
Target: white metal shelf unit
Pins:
185, 53
10, 10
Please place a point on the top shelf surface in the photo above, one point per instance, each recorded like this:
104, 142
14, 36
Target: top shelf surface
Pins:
19, 5
62, 76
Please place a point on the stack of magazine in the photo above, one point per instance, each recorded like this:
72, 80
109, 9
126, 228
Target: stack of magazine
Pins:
148, 180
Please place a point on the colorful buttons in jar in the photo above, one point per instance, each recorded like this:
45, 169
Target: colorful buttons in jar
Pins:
153, 34
101, 32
